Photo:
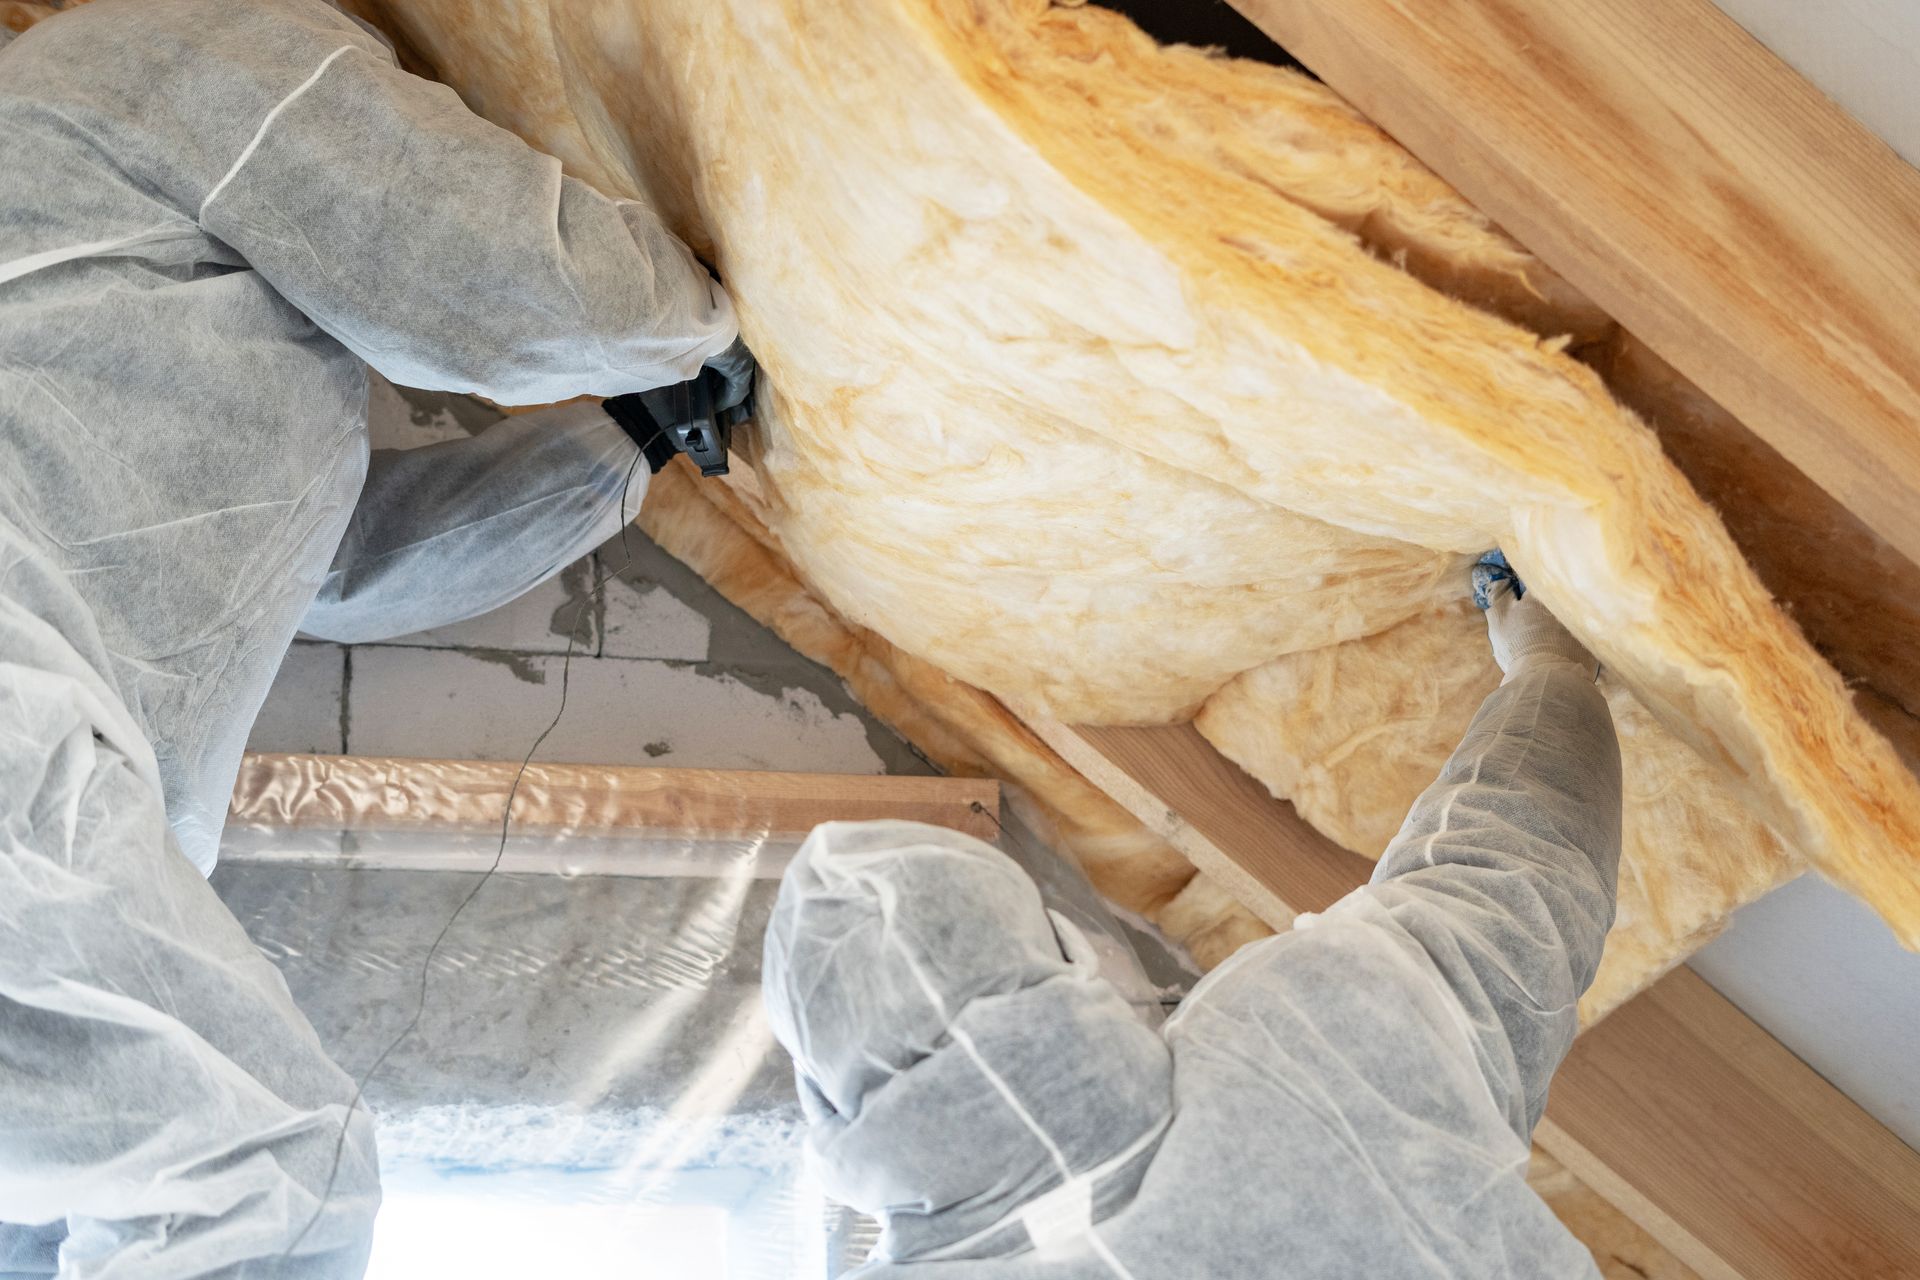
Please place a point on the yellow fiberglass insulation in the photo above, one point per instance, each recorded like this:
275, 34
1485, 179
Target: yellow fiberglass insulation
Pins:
1102, 377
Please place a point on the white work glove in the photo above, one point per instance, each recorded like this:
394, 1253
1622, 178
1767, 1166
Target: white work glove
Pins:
1521, 629
1523, 632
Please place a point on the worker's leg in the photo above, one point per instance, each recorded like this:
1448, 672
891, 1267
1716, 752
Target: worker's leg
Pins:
451, 530
1505, 870
159, 1093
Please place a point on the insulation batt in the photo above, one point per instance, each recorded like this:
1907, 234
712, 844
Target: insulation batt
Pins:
614, 91
1354, 732
1103, 374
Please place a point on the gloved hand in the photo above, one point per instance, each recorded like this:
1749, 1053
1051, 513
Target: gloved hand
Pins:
737, 366
1520, 628
648, 417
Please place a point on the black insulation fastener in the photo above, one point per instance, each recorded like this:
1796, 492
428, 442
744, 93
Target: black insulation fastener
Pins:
631, 416
682, 418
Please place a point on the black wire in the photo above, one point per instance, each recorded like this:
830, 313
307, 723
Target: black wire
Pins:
595, 593
999, 826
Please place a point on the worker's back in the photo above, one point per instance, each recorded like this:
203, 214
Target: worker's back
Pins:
228, 211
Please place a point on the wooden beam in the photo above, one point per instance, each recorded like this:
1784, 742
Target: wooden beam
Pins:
1208, 808
1709, 198
364, 792
1683, 1112
1678, 1108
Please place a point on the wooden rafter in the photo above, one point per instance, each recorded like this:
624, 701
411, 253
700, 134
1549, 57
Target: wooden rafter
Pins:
1719, 206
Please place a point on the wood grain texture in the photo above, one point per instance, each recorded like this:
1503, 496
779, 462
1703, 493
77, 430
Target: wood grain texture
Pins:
1187, 793
1704, 194
365, 792
1730, 1150
1678, 1108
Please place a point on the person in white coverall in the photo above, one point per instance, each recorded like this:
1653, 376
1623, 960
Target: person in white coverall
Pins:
213, 217
1352, 1098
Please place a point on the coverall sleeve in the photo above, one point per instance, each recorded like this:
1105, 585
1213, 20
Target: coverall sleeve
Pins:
441, 249
165, 1111
1504, 873
451, 530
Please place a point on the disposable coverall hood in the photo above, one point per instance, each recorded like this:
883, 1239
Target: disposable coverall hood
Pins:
894, 911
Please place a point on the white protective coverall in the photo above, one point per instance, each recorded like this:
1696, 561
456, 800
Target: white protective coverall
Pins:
213, 216
1352, 1098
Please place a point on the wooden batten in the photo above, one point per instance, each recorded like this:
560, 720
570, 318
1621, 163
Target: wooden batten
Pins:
350, 793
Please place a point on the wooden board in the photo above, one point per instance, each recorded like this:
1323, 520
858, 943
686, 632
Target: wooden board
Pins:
1699, 190
371, 792
1678, 1108
1684, 1113
1208, 808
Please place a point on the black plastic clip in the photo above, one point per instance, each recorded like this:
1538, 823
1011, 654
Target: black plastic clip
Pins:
682, 419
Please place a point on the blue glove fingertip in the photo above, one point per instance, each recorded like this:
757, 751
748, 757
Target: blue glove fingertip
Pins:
1490, 570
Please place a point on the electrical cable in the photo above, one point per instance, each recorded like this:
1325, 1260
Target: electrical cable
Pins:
1000, 827
595, 593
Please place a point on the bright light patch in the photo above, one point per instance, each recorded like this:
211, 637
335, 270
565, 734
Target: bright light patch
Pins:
448, 1231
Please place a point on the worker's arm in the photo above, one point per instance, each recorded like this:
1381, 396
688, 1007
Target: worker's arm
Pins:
451, 530
1504, 872
441, 249
163, 1105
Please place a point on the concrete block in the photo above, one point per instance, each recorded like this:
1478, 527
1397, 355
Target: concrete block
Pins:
303, 709
538, 622
733, 637
479, 706
396, 421
643, 619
